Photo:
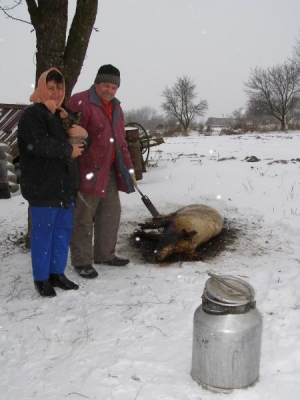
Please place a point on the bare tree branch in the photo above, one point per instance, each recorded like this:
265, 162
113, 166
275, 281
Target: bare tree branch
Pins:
78, 38
53, 47
6, 9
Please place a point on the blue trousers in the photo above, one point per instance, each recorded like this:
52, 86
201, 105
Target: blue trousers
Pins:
49, 240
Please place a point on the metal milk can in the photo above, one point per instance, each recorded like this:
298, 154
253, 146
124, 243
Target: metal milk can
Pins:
227, 335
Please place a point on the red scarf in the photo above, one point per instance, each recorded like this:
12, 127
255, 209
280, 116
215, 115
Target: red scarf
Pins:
109, 108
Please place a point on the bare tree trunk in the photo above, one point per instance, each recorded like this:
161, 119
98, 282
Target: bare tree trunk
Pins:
78, 41
53, 48
49, 20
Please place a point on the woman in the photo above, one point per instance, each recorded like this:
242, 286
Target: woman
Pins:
49, 181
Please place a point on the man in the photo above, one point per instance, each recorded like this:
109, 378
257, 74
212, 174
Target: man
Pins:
105, 169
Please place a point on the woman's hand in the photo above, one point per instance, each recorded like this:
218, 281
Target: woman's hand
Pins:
77, 150
77, 131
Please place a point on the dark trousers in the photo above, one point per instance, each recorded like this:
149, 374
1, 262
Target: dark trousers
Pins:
50, 238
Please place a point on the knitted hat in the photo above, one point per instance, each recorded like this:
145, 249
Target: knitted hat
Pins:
108, 74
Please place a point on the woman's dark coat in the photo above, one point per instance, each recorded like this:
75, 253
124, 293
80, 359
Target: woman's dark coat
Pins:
49, 178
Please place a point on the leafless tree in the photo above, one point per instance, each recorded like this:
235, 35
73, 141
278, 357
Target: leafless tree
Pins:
274, 91
179, 102
54, 47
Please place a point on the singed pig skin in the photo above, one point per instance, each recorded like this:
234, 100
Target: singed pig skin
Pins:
185, 229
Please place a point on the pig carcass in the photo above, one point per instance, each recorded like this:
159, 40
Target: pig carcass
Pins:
183, 231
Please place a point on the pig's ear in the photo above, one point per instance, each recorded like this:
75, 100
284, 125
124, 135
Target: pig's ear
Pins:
187, 235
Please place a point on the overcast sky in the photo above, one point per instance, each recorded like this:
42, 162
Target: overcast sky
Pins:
153, 42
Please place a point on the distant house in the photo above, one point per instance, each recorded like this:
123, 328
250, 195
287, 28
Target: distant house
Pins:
9, 119
219, 122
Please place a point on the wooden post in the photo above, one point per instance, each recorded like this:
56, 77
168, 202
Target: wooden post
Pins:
134, 147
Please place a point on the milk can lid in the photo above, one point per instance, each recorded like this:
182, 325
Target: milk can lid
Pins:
229, 289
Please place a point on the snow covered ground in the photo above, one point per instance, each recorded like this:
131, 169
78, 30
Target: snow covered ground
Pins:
127, 335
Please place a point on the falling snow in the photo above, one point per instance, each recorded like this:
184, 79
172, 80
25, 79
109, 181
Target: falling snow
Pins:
127, 335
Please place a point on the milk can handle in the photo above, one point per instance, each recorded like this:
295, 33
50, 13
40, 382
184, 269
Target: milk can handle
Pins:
248, 296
